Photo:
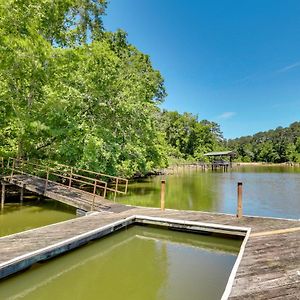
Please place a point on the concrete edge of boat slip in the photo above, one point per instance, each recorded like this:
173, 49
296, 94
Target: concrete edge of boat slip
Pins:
22, 262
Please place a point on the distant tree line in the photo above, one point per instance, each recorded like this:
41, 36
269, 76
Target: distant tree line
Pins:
276, 146
72, 92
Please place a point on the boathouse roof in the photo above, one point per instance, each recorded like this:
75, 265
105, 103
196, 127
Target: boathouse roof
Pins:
221, 153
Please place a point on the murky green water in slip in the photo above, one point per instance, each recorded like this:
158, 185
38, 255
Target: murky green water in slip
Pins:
138, 263
16, 218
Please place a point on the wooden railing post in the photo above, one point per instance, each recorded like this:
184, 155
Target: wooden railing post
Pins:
239, 200
105, 187
22, 167
12, 170
162, 194
8, 163
47, 179
117, 183
70, 180
94, 194
126, 186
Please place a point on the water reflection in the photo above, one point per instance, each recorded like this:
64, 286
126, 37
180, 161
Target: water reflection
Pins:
132, 264
32, 214
267, 191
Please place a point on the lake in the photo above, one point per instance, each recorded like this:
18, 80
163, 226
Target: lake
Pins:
272, 191
136, 263
32, 214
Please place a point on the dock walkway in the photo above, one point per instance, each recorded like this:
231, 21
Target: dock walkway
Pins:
269, 269
70, 196
80, 188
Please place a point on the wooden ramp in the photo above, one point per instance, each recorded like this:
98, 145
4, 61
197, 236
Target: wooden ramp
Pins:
79, 188
71, 196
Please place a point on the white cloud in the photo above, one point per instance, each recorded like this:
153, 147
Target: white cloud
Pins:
227, 115
289, 67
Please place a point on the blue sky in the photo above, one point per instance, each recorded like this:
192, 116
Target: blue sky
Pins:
230, 61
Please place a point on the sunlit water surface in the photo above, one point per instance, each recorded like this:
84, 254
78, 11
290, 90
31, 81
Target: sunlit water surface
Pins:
32, 214
267, 191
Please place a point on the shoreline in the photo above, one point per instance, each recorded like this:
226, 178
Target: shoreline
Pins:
267, 164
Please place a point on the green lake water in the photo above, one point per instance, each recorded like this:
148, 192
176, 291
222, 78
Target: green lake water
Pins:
15, 217
136, 263
267, 191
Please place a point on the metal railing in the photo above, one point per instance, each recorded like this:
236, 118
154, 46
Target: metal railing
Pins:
96, 184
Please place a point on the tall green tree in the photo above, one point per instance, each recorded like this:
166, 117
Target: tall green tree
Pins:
188, 137
72, 92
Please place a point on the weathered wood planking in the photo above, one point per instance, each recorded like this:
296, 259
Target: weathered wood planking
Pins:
270, 267
71, 196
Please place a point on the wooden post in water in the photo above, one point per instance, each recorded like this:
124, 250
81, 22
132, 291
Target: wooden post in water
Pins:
239, 200
3, 195
162, 194
22, 194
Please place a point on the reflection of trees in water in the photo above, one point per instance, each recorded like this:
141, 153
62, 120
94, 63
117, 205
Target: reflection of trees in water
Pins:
120, 266
193, 190
135, 264
16, 218
39, 203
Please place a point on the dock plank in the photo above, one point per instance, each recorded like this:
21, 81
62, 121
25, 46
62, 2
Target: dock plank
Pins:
269, 269
68, 195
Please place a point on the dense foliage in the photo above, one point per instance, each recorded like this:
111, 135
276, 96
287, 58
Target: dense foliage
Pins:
74, 93
279, 145
189, 138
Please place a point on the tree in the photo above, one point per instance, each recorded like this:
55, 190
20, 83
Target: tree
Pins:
277, 145
188, 137
74, 93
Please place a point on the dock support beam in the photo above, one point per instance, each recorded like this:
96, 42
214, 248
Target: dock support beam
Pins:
22, 194
239, 200
2, 195
162, 194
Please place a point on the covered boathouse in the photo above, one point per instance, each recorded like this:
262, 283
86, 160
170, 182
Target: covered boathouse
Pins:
219, 161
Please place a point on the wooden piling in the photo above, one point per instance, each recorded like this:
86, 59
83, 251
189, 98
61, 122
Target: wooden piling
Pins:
162, 194
2, 196
22, 194
239, 200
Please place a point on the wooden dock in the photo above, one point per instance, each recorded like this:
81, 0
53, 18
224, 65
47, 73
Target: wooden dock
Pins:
269, 268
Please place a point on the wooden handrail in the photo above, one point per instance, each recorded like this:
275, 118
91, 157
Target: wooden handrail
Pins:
21, 166
93, 172
86, 171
